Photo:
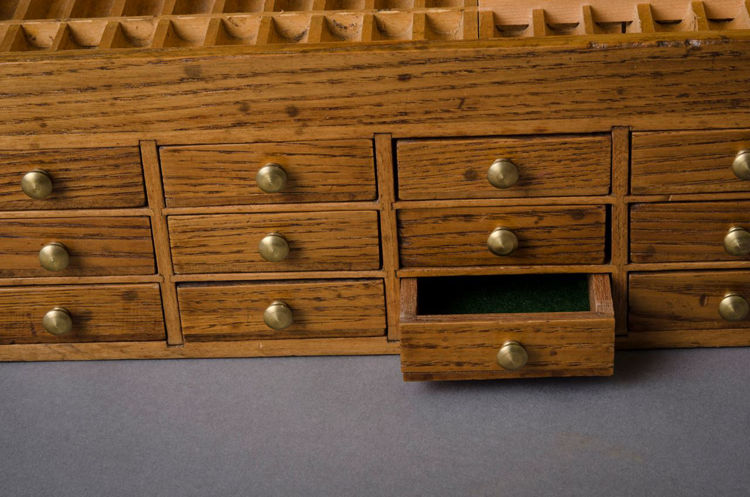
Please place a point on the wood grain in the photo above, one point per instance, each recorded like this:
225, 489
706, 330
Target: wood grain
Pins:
685, 232
318, 171
548, 166
82, 178
687, 162
619, 226
458, 237
97, 246
559, 344
578, 84
318, 241
344, 308
684, 300
101, 313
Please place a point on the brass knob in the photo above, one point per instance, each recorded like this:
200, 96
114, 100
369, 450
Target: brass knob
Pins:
512, 356
502, 173
741, 164
271, 178
54, 257
502, 242
273, 248
37, 184
58, 321
733, 307
278, 315
737, 241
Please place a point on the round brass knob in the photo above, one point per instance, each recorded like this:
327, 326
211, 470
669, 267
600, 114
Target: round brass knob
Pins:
37, 184
278, 315
58, 321
512, 356
741, 164
502, 242
502, 173
273, 248
737, 241
271, 178
54, 257
733, 307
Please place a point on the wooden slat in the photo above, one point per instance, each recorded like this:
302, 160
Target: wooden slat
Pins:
539, 23
699, 17
620, 219
153, 177
388, 229
344, 308
645, 19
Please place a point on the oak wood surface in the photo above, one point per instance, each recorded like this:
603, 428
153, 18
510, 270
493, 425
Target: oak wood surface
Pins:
548, 166
159, 350
684, 300
687, 162
685, 232
241, 94
97, 246
100, 313
318, 241
619, 225
82, 178
558, 343
318, 171
458, 237
344, 308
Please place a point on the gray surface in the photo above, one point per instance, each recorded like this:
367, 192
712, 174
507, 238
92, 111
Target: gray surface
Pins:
669, 423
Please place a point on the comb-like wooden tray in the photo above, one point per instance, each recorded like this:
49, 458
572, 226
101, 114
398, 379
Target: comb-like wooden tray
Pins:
41, 25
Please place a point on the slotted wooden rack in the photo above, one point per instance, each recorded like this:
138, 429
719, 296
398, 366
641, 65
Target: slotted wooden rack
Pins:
58, 25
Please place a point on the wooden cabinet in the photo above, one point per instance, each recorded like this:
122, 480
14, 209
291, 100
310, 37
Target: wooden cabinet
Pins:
190, 172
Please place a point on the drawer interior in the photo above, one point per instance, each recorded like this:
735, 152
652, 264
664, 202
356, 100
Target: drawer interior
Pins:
503, 294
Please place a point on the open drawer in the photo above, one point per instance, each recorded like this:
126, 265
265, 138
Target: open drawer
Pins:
519, 326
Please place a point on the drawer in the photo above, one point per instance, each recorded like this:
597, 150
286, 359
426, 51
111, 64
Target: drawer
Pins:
689, 300
315, 171
545, 166
486, 327
695, 231
93, 246
310, 309
73, 179
461, 237
690, 162
95, 313
315, 241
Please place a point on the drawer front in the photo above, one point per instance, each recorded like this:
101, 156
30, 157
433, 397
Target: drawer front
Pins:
317, 241
454, 347
685, 300
684, 232
99, 313
687, 162
456, 169
97, 246
81, 178
345, 308
459, 237
322, 171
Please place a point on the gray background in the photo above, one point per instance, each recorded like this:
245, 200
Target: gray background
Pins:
668, 423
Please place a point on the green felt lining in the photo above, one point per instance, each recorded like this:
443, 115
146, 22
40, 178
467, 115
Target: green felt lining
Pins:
503, 294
